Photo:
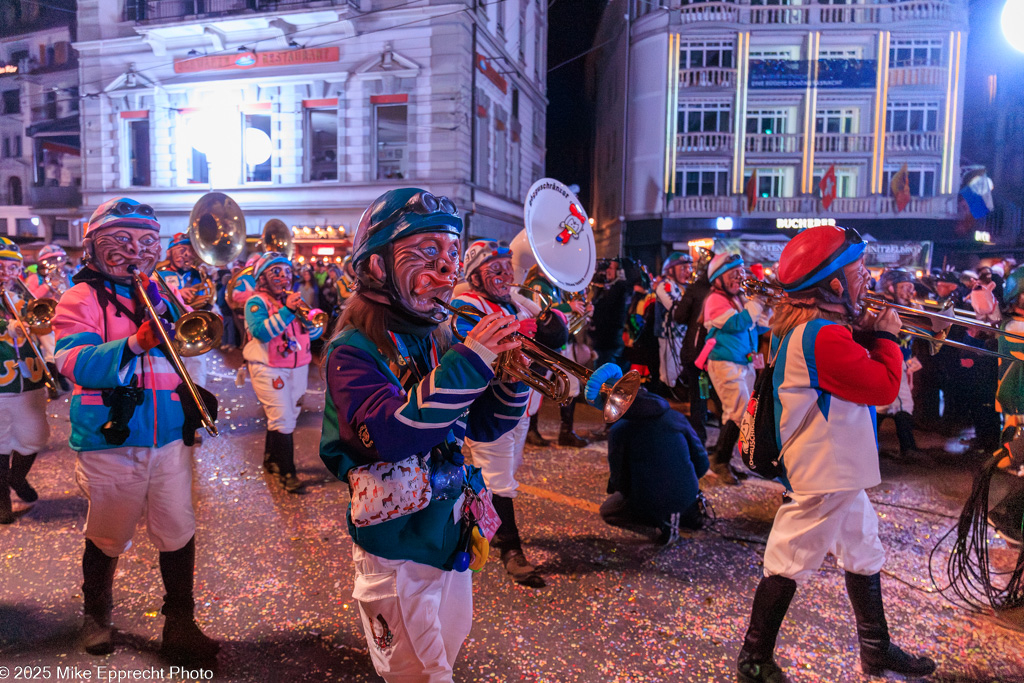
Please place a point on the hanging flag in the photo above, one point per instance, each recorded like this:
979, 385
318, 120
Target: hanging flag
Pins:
751, 191
977, 193
900, 187
827, 186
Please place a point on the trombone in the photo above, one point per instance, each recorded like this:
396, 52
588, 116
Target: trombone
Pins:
170, 350
618, 397
51, 383
37, 313
195, 332
915, 322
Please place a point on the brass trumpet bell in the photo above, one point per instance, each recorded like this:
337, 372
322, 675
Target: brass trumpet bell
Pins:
317, 322
216, 228
38, 313
197, 332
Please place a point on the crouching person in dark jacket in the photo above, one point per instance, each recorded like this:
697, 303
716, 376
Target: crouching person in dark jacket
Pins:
655, 458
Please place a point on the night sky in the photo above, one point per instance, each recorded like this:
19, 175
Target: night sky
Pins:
570, 121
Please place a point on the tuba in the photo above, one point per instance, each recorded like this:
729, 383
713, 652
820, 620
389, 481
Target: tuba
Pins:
277, 237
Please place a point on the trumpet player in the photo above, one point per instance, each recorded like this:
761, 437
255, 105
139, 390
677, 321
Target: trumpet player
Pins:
181, 273
128, 428
51, 278
825, 386
401, 396
23, 427
897, 286
278, 355
488, 271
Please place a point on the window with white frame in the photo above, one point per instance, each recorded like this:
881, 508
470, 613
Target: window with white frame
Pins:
767, 121
704, 117
846, 180
836, 121
706, 54
391, 139
702, 182
920, 177
771, 182
321, 136
774, 2
906, 52
196, 139
257, 148
840, 53
137, 134
915, 117
775, 52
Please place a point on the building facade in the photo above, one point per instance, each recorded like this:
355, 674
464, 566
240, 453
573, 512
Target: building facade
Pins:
307, 111
40, 162
722, 115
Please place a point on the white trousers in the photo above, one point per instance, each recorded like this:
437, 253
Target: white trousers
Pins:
280, 390
811, 526
123, 484
669, 351
734, 383
198, 369
904, 400
23, 425
415, 617
499, 460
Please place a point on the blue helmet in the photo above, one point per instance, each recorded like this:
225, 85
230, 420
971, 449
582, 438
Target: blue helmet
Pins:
400, 213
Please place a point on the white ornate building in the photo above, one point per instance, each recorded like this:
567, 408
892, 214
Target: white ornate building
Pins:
694, 98
307, 111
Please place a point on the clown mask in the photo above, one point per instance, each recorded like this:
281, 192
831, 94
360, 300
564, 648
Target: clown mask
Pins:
493, 279
277, 280
425, 266
182, 257
116, 250
10, 271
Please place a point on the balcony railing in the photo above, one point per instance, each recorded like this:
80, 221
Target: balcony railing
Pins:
704, 142
917, 75
843, 143
164, 10
709, 77
943, 207
54, 197
872, 12
913, 142
781, 143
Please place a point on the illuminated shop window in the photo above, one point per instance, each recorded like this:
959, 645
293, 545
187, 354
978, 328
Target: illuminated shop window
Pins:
257, 148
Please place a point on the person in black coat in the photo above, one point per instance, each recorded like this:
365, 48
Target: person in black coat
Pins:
688, 312
611, 297
655, 460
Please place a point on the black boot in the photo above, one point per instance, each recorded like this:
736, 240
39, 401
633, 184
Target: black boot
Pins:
533, 437
97, 637
566, 435
877, 653
905, 434
183, 642
6, 513
756, 662
20, 466
506, 540
286, 461
270, 465
721, 458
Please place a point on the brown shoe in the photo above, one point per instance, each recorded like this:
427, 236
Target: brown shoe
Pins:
521, 571
97, 636
724, 474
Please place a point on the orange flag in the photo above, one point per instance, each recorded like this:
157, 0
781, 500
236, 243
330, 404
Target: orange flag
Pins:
751, 191
900, 188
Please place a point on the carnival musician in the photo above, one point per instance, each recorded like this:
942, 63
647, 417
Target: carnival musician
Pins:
23, 427
50, 281
401, 397
488, 271
825, 386
181, 273
535, 279
129, 428
278, 353
897, 286
669, 290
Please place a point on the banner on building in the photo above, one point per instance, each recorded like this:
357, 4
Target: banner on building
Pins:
753, 250
796, 73
910, 255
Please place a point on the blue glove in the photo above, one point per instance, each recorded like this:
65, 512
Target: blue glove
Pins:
609, 372
152, 290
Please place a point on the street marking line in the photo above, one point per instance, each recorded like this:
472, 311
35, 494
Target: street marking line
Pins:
585, 505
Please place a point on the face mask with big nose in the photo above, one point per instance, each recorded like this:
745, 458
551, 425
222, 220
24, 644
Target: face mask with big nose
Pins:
118, 251
425, 266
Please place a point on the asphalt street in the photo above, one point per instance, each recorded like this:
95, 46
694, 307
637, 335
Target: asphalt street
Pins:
274, 575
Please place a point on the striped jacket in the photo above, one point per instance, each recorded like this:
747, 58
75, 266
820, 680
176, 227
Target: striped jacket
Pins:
92, 352
369, 417
20, 370
735, 331
826, 389
276, 337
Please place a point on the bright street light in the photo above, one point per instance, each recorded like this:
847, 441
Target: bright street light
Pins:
1012, 21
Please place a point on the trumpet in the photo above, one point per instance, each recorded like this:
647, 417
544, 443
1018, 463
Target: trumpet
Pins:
928, 325
195, 332
170, 349
617, 397
314, 323
36, 313
12, 309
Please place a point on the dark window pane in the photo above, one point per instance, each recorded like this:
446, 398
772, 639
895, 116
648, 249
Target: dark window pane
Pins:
692, 183
933, 120
916, 119
693, 122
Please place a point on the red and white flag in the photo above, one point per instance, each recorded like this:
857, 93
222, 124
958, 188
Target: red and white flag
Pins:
827, 186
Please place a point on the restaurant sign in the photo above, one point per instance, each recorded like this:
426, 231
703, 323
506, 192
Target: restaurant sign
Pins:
256, 60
